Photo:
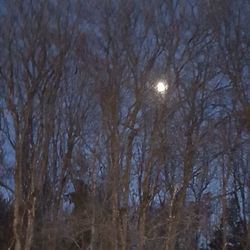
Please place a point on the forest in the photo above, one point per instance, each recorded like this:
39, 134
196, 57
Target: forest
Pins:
93, 156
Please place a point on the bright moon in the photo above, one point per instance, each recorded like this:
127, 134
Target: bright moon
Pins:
161, 87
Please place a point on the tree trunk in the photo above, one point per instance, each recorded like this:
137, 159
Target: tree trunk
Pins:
18, 204
30, 225
17, 228
141, 229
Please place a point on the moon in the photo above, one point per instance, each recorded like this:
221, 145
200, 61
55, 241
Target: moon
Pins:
161, 87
